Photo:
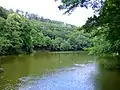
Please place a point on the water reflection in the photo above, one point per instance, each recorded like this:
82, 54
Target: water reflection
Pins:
75, 78
14, 68
59, 71
38, 64
110, 73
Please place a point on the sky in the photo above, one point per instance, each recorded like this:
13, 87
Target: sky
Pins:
49, 9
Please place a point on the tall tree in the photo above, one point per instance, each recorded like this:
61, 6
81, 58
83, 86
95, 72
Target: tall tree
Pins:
107, 21
70, 5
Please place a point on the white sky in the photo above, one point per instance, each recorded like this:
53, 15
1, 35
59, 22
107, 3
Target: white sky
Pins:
48, 9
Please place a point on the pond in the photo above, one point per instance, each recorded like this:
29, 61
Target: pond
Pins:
56, 71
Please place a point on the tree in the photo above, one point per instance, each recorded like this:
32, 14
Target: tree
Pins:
71, 5
23, 32
105, 26
110, 16
56, 43
79, 40
3, 12
26, 28
65, 46
12, 28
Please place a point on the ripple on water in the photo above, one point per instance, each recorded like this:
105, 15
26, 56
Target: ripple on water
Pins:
73, 78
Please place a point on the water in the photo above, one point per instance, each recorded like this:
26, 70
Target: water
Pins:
56, 71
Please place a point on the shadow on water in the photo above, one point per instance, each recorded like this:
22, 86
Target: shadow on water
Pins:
1, 62
110, 62
14, 67
109, 77
59, 71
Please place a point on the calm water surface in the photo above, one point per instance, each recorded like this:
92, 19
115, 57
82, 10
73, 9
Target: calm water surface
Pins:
56, 71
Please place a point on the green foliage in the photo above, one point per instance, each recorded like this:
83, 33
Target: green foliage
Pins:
70, 5
110, 16
65, 45
20, 34
3, 12
108, 34
79, 40
104, 29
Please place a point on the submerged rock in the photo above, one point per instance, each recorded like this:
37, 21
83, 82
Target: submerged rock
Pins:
1, 70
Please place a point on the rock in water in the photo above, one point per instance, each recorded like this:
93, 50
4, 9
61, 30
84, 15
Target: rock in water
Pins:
1, 70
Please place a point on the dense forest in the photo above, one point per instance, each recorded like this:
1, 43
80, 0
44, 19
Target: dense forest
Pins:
23, 32
103, 27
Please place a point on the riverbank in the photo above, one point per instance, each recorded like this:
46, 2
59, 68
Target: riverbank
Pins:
42, 50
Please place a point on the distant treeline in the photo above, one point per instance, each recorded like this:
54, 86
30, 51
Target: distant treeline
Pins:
22, 32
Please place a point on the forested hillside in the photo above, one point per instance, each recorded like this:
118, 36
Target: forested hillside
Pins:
23, 32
